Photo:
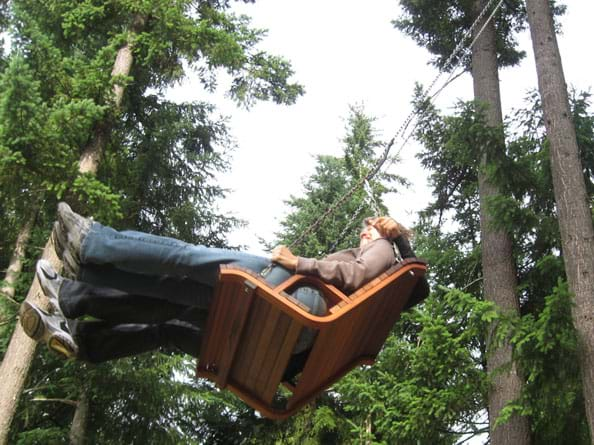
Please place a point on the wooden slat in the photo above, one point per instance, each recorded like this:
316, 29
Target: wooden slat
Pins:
261, 360
237, 320
392, 312
348, 328
374, 312
213, 340
315, 366
282, 359
249, 345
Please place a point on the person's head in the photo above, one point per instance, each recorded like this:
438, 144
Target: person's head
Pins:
382, 227
368, 232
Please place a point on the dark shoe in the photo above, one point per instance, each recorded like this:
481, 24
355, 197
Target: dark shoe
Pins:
50, 282
74, 229
50, 329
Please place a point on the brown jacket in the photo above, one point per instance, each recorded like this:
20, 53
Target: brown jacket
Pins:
350, 269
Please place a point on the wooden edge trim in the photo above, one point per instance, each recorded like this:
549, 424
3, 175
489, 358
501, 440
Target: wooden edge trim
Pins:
324, 287
276, 414
294, 406
309, 320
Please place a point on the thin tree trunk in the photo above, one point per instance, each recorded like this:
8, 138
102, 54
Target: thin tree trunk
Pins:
19, 355
16, 261
89, 160
21, 349
78, 429
575, 217
499, 271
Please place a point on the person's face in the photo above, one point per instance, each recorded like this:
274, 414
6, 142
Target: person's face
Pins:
368, 233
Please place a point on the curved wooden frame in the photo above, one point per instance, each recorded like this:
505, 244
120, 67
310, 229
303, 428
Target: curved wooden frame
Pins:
252, 330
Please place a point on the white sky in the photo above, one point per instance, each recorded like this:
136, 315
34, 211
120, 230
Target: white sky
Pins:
347, 52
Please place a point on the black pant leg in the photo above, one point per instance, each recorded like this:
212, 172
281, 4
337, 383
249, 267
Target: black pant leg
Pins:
173, 289
100, 341
78, 299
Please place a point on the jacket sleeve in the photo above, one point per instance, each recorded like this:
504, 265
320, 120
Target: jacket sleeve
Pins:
349, 275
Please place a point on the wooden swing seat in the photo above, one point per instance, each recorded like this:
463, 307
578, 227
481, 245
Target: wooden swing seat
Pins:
252, 330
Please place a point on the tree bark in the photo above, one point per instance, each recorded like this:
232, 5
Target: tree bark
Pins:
499, 273
19, 355
21, 349
16, 261
78, 429
89, 160
575, 217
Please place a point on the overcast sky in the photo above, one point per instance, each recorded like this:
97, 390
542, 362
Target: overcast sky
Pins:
347, 52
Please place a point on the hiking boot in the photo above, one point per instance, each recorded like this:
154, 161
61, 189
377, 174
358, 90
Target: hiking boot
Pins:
74, 229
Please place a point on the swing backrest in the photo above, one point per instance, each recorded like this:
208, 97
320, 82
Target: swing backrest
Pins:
253, 328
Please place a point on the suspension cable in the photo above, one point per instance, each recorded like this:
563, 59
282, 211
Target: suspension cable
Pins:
460, 47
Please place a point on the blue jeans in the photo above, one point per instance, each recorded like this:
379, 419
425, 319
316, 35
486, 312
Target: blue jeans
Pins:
161, 267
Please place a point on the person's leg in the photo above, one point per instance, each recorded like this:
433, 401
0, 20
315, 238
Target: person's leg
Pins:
146, 254
99, 341
182, 291
77, 299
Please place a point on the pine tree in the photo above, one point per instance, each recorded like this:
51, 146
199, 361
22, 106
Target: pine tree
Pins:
543, 339
573, 204
494, 47
107, 56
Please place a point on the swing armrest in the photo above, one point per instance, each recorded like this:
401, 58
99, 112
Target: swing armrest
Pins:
331, 293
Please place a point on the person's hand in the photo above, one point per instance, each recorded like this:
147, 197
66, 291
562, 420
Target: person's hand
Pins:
386, 226
283, 256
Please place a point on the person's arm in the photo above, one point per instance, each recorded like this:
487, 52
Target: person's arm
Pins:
349, 275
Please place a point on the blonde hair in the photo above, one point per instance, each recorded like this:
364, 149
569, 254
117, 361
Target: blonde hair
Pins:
402, 231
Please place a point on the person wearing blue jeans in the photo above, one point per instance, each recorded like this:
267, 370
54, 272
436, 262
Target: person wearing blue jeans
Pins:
150, 291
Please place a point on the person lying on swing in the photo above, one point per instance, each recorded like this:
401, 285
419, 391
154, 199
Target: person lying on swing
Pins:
148, 292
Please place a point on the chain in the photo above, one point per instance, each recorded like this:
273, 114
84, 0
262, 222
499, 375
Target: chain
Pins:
382, 159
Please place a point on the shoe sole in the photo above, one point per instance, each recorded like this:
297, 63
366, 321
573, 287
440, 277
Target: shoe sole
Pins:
31, 321
34, 327
61, 347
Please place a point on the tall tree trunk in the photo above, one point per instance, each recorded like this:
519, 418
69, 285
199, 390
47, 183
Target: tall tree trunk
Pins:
575, 217
78, 429
21, 349
499, 273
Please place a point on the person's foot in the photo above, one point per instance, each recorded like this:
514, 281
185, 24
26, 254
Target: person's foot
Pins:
50, 329
50, 282
74, 229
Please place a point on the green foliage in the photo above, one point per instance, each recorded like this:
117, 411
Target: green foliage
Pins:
157, 174
543, 338
428, 380
440, 25
43, 436
546, 349
165, 164
334, 177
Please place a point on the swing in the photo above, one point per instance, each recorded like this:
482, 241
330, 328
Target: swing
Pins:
252, 330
